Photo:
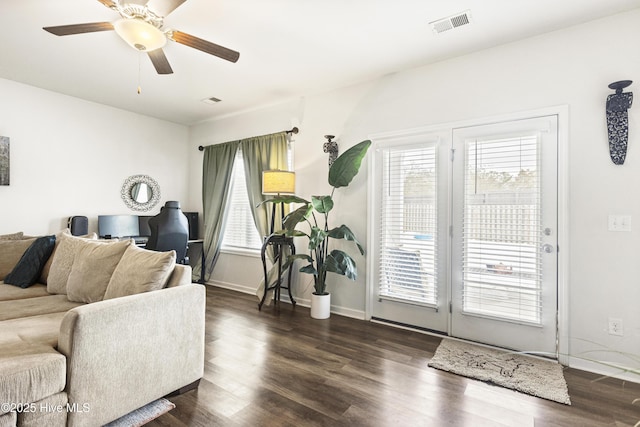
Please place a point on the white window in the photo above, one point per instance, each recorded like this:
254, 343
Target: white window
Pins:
240, 233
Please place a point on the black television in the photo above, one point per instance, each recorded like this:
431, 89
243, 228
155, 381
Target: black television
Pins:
118, 226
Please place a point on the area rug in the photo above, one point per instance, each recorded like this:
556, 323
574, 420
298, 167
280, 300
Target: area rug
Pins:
515, 371
143, 415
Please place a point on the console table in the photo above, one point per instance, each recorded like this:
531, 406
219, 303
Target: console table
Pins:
278, 242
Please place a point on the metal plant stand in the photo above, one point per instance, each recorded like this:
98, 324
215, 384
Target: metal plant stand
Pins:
279, 242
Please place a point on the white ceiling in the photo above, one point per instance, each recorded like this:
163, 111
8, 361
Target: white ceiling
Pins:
288, 48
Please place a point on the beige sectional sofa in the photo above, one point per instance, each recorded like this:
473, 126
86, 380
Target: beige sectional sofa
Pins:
107, 328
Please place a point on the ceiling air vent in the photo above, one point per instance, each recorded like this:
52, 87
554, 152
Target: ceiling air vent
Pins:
212, 100
451, 22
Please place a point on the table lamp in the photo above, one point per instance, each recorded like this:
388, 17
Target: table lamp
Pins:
276, 183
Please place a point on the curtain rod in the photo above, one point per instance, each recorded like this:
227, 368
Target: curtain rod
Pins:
295, 130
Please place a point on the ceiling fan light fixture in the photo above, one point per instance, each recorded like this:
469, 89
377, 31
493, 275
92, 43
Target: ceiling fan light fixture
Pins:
139, 34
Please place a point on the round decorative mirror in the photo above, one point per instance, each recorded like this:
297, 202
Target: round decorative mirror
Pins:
140, 192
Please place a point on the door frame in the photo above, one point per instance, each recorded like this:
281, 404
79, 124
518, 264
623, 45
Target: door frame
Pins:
563, 250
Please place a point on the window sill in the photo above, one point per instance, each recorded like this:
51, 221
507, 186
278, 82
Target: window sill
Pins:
254, 253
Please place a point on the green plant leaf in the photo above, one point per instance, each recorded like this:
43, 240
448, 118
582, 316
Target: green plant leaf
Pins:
309, 269
316, 237
341, 263
322, 204
347, 165
343, 232
297, 216
292, 258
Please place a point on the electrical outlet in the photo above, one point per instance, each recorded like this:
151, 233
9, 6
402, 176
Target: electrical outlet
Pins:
619, 223
615, 326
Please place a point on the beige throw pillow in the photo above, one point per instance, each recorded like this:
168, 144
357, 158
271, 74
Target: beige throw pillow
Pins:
44, 277
140, 270
13, 236
92, 269
10, 253
56, 274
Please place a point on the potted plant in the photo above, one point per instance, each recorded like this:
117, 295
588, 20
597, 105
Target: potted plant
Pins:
311, 220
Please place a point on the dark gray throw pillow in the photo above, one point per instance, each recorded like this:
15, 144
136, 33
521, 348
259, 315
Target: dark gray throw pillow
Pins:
27, 271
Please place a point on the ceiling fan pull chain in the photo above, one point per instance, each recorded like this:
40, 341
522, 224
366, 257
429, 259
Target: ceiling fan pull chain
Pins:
139, 85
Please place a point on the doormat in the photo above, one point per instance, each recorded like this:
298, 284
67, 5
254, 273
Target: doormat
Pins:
143, 415
541, 378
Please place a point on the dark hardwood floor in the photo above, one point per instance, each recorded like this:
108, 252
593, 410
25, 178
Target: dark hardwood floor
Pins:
282, 368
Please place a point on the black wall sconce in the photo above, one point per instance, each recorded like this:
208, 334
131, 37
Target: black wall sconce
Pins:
618, 120
331, 147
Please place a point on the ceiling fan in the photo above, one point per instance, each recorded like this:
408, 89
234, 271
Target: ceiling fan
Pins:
141, 27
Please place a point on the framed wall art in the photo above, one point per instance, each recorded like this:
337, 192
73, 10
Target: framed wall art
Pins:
4, 160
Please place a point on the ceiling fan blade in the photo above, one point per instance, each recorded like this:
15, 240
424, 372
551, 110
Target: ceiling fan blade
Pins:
108, 3
203, 45
164, 7
67, 30
160, 61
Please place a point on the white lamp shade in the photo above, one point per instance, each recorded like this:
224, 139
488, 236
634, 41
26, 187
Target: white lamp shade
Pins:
139, 34
278, 182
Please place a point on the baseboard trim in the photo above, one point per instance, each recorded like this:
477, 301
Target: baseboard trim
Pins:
606, 369
303, 302
232, 287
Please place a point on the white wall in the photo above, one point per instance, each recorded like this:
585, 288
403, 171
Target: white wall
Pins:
71, 157
570, 67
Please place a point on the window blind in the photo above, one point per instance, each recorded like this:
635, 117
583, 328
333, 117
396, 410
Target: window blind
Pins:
408, 225
240, 232
502, 274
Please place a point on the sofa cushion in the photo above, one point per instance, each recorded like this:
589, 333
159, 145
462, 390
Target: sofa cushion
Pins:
30, 372
35, 306
66, 248
27, 271
181, 275
92, 269
10, 253
13, 236
9, 292
140, 270
41, 329
50, 411
9, 419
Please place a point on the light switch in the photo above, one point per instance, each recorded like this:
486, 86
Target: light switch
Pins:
620, 223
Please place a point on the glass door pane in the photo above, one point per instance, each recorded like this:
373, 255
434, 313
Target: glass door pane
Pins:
409, 225
501, 229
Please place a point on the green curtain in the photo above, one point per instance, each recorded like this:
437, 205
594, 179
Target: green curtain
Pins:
262, 153
217, 167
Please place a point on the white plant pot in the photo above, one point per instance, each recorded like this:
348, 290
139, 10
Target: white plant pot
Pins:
320, 306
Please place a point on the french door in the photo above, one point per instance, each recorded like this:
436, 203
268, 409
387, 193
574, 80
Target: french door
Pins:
466, 233
410, 187
504, 240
